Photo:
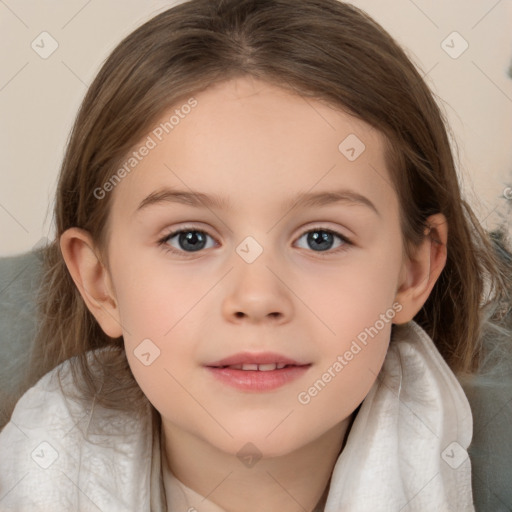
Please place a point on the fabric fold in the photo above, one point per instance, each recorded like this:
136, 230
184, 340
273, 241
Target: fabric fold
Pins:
407, 449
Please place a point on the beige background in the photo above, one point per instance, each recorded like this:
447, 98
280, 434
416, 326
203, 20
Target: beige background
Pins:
40, 97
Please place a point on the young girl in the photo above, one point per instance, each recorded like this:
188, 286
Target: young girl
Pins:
263, 281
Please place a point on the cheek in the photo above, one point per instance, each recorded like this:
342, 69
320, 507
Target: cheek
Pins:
351, 297
357, 305
154, 295
156, 307
345, 376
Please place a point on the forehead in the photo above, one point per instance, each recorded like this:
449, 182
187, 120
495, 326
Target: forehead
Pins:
253, 143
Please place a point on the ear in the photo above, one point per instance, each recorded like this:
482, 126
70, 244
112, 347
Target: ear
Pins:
91, 278
421, 270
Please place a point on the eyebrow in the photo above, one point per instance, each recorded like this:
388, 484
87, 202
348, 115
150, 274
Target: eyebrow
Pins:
215, 202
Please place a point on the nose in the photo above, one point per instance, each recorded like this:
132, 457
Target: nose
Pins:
257, 293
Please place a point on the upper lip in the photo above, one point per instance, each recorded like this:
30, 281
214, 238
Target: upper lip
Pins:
255, 358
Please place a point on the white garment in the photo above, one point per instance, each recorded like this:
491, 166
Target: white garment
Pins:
406, 450
182, 498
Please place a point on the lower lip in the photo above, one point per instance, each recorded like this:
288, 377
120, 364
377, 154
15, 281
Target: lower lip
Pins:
255, 380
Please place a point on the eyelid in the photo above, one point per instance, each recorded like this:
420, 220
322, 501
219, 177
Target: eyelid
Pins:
170, 233
187, 227
325, 227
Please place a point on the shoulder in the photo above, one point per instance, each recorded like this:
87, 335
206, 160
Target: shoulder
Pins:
59, 452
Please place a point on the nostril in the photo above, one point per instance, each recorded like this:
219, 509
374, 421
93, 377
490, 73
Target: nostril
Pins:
274, 314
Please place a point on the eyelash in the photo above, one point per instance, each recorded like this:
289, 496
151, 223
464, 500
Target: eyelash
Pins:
163, 241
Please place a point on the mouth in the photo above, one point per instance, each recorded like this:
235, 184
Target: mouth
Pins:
257, 372
268, 367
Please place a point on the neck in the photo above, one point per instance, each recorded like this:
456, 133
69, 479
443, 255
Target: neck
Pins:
295, 482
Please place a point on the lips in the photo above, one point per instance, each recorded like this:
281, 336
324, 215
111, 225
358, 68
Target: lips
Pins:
260, 359
268, 367
257, 372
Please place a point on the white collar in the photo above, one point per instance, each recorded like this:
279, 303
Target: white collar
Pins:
406, 450
407, 447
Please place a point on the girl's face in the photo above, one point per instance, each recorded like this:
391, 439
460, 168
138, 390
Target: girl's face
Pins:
288, 251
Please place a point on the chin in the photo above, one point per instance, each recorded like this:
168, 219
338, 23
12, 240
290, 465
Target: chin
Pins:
259, 441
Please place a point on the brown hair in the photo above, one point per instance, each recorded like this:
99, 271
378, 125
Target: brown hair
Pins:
320, 49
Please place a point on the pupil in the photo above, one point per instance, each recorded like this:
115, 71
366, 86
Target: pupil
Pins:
322, 239
192, 240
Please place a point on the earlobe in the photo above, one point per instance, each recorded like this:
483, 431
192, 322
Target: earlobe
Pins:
422, 269
91, 278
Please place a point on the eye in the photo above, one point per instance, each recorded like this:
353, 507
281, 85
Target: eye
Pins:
190, 240
186, 240
322, 240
